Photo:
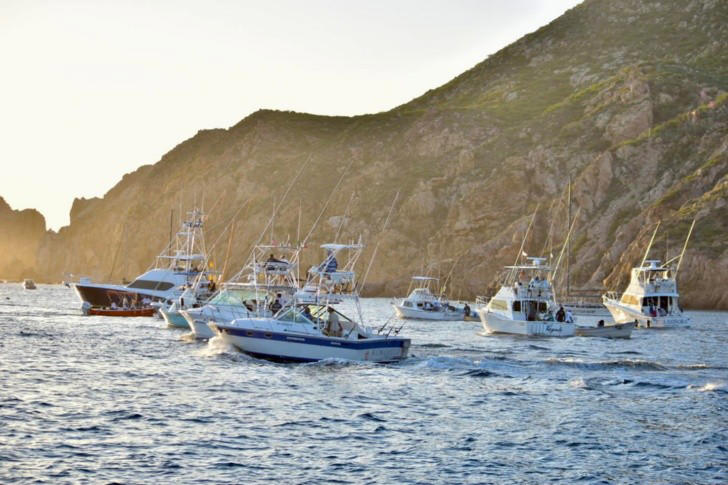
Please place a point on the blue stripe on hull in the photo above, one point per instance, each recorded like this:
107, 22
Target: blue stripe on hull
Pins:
378, 343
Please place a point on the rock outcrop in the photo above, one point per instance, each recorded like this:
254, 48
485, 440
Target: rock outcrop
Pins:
627, 98
21, 234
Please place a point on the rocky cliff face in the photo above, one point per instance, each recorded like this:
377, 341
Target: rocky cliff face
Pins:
21, 233
627, 98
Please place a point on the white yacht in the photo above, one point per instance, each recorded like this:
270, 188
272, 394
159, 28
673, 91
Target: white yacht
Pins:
422, 304
524, 304
311, 329
651, 298
264, 285
175, 269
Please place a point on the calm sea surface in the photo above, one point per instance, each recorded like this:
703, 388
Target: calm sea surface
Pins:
94, 399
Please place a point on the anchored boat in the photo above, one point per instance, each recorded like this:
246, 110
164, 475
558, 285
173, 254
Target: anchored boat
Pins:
174, 270
122, 312
651, 298
422, 304
311, 329
524, 304
614, 330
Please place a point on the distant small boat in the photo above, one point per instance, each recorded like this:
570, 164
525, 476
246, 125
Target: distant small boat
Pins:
616, 330
422, 304
120, 312
29, 284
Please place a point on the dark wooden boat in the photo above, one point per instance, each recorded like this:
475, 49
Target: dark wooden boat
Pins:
119, 312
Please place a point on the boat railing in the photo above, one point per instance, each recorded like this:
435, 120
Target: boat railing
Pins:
482, 300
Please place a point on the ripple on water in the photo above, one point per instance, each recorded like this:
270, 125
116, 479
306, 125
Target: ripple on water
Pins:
91, 399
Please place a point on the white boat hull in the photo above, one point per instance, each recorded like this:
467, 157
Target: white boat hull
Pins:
494, 323
617, 330
588, 310
419, 314
623, 314
296, 347
198, 325
173, 318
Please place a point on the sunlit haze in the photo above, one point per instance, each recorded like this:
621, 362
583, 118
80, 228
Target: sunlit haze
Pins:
92, 90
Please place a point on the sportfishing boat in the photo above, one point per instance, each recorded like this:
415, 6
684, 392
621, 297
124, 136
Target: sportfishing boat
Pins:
175, 268
524, 304
422, 304
310, 329
651, 298
260, 288
29, 284
264, 285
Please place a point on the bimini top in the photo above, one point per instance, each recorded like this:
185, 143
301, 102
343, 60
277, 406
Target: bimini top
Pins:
339, 247
282, 247
536, 263
652, 265
425, 278
184, 257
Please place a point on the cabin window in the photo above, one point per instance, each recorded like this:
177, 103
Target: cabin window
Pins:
516, 306
542, 307
498, 305
407, 304
630, 300
151, 285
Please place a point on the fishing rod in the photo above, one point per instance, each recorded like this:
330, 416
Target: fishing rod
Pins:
649, 246
512, 273
374, 253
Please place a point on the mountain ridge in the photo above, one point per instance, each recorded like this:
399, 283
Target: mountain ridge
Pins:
626, 97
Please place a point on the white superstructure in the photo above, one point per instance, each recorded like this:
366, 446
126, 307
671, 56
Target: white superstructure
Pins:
524, 304
651, 298
263, 286
174, 270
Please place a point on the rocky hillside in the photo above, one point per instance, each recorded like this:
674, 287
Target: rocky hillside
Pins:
625, 97
21, 233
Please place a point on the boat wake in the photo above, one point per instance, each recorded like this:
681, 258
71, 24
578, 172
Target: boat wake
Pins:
215, 346
608, 364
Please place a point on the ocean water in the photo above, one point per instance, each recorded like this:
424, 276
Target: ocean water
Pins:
100, 400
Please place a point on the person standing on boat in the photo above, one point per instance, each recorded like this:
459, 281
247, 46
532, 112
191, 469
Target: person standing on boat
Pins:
569, 316
331, 263
276, 305
333, 326
560, 314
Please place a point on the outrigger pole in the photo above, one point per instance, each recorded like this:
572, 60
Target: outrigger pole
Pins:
568, 236
374, 253
523, 244
649, 246
685, 246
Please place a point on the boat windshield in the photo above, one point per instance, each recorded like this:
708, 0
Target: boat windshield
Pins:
234, 296
294, 315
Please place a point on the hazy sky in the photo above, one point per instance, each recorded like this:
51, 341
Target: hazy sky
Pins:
90, 90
